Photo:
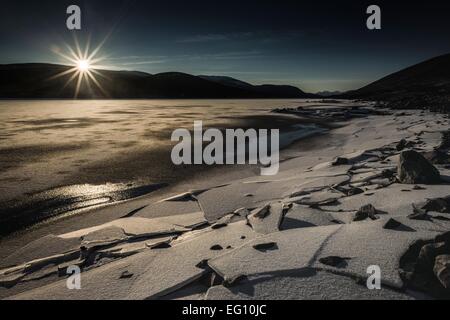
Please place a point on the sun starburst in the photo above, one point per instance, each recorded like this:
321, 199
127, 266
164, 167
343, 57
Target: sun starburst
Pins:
84, 66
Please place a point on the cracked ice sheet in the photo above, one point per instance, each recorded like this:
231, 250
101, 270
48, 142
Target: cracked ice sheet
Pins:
271, 222
306, 284
44, 247
137, 226
305, 217
367, 244
322, 182
260, 190
155, 272
296, 249
433, 225
392, 199
167, 208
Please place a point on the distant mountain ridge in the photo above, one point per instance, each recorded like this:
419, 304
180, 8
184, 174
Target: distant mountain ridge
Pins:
275, 90
36, 81
424, 85
328, 93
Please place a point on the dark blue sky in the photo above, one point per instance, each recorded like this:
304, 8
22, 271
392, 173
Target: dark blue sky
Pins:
315, 45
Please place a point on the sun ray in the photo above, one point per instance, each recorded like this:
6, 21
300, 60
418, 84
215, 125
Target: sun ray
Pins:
59, 75
78, 48
99, 74
86, 51
84, 68
70, 79
79, 81
97, 83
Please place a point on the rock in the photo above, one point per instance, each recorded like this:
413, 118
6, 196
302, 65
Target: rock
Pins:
334, 261
126, 275
266, 246
387, 173
413, 168
437, 157
218, 226
442, 270
216, 247
367, 211
349, 190
355, 191
438, 205
162, 245
267, 219
401, 145
229, 282
340, 161
428, 254
202, 264
243, 212
261, 213
211, 280
392, 224
419, 214
445, 237
416, 187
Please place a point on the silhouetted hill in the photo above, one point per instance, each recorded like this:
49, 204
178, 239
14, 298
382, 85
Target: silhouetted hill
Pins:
36, 81
424, 85
276, 91
328, 93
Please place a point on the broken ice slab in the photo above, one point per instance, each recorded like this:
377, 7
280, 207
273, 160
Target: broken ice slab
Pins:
367, 244
296, 249
144, 227
301, 284
156, 273
267, 219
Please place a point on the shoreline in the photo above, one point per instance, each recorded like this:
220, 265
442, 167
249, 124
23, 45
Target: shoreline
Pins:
335, 212
92, 216
95, 190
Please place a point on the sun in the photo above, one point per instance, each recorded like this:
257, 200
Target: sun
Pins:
83, 65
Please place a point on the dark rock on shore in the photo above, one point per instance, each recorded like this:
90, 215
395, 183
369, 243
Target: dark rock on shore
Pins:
340, 161
441, 205
425, 266
334, 261
404, 144
419, 214
266, 246
442, 270
392, 224
437, 157
413, 168
367, 211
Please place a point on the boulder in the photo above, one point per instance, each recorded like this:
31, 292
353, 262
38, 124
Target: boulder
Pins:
334, 261
340, 161
437, 157
367, 211
442, 270
401, 145
263, 247
413, 168
392, 224
438, 205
